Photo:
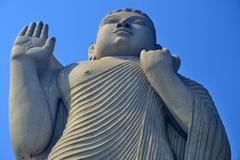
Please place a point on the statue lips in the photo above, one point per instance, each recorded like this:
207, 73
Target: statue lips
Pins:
123, 31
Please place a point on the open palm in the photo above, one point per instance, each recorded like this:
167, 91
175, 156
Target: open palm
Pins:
33, 41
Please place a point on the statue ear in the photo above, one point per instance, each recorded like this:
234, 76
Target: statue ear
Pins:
158, 46
176, 62
91, 51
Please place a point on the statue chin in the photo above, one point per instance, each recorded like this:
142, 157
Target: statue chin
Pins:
122, 44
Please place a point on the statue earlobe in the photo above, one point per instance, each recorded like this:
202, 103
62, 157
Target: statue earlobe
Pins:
158, 46
176, 63
91, 51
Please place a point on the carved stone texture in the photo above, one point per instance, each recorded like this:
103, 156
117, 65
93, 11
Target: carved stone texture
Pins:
128, 101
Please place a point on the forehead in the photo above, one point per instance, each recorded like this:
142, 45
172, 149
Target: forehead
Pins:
124, 14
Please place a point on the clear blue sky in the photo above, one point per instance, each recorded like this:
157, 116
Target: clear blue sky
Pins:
205, 34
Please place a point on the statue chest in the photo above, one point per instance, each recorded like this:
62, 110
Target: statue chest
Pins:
77, 74
88, 70
112, 115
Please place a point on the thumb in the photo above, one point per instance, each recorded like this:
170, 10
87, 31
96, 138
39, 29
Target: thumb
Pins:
49, 45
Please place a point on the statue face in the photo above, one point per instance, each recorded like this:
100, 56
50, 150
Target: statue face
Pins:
124, 34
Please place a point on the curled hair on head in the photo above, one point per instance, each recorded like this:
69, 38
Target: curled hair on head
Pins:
129, 10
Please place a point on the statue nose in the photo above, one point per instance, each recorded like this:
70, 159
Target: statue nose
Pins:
123, 24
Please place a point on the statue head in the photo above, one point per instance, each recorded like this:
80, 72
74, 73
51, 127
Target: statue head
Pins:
124, 32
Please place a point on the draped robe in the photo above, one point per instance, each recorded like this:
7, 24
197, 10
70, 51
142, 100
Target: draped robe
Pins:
116, 114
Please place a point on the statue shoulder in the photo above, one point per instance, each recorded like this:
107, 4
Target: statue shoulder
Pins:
62, 77
197, 89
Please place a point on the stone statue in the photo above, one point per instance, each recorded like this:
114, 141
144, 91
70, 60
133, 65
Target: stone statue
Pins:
128, 101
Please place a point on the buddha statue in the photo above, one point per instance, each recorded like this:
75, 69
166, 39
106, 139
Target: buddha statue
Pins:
127, 101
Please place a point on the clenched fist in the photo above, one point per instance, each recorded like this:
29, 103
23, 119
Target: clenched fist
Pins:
159, 60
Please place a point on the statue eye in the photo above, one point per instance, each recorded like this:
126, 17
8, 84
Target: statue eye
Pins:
111, 20
139, 22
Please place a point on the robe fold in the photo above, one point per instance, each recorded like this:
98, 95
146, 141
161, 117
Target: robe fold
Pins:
206, 138
118, 115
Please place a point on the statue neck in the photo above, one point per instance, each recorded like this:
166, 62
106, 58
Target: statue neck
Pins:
132, 58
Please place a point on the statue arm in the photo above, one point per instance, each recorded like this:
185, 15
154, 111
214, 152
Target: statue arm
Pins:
32, 68
190, 105
207, 138
178, 98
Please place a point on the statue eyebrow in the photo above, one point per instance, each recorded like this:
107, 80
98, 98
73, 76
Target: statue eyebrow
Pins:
108, 17
139, 17
130, 18
145, 19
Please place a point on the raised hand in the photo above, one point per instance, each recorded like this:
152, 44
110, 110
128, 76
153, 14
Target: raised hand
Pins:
33, 41
160, 60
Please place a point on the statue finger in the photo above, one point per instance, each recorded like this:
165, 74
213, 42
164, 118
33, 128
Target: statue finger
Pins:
23, 31
50, 44
38, 29
165, 51
44, 32
30, 29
